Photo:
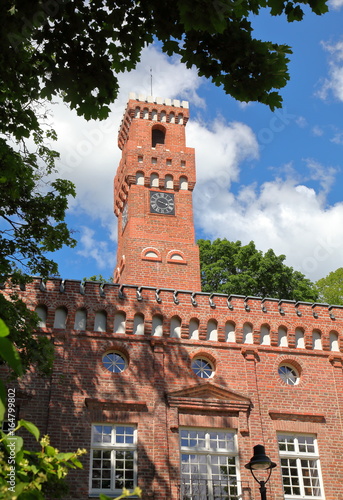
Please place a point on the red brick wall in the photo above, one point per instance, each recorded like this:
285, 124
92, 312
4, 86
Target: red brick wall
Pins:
245, 394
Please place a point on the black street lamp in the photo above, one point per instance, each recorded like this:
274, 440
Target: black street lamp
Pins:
260, 461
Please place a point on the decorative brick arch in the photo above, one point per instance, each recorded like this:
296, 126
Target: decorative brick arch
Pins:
145, 254
180, 257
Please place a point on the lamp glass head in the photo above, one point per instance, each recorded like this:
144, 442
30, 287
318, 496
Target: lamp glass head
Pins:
260, 461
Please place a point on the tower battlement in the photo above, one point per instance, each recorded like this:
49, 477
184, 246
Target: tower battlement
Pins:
158, 109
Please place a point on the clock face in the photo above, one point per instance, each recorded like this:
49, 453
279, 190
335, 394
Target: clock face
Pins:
162, 203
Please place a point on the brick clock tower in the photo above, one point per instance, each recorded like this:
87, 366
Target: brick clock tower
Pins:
153, 197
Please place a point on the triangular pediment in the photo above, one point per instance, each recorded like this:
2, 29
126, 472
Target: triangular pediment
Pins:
208, 394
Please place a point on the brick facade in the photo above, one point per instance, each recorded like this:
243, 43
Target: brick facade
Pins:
159, 329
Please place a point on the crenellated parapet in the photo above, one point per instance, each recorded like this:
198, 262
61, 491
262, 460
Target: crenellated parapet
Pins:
157, 109
183, 315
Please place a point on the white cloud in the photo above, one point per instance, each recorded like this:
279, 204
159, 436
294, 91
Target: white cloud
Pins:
323, 174
334, 83
317, 131
301, 122
285, 215
97, 250
337, 138
219, 148
336, 4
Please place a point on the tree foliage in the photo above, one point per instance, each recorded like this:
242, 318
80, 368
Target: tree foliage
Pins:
330, 288
32, 213
228, 267
100, 278
77, 48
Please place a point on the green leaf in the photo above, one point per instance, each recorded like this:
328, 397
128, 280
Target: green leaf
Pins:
50, 451
4, 331
13, 443
9, 353
30, 427
3, 398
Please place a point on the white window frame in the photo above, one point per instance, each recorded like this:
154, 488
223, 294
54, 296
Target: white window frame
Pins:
112, 446
207, 451
300, 455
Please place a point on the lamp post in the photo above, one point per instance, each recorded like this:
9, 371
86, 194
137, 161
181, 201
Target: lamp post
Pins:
260, 461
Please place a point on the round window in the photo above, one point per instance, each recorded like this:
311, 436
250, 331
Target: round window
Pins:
202, 368
288, 374
114, 362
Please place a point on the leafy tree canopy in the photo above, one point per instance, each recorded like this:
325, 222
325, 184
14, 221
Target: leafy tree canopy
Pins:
228, 267
330, 288
32, 213
77, 48
99, 277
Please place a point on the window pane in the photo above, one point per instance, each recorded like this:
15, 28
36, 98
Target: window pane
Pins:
286, 443
114, 362
306, 444
113, 466
300, 471
101, 470
210, 474
202, 368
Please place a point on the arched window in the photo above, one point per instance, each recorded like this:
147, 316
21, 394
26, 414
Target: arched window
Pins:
154, 115
316, 340
183, 182
163, 116
80, 319
334, 345
265, 335
212, 332
157, 136
168, 182
247, 334
299, 338
146, 113
60, 318
138, 324
194, 329
154, 181
282, 337
119, 322
42, 313
171, 117
175, 327
176, 256
140, 178
137, 112
100, 321
180, 118
230, 335
157, 326
151, 254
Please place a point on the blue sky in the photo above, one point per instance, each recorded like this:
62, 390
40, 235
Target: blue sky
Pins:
274, 178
